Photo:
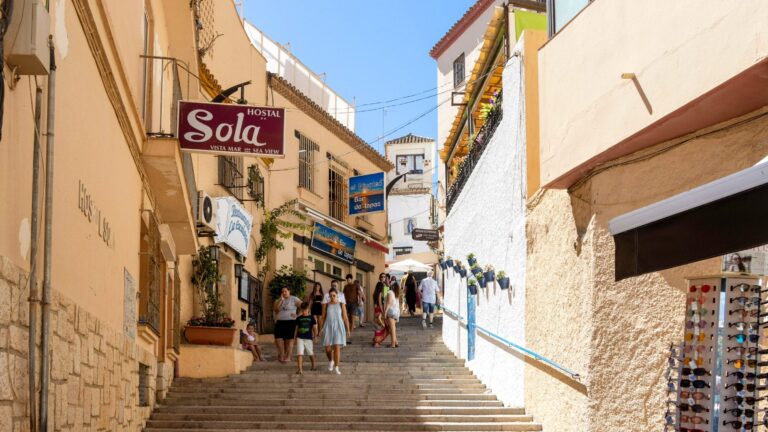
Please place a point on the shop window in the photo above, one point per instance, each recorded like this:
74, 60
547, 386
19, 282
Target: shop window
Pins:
307, 150
336, 271
151, 274
458, 71
413, 164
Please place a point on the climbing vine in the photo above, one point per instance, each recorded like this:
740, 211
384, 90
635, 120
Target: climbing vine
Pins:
275, 228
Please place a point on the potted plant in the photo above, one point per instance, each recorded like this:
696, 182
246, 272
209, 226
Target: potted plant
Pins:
481, 281
490, 274
471, 260
472, 286
449, 262
443, 265
462, 271
214, 327
503, 280
476, 270
456, 266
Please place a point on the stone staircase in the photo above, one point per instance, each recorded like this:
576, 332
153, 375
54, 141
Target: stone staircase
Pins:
419, 386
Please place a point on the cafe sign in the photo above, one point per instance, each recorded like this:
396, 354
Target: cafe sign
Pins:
366, 194
231, 129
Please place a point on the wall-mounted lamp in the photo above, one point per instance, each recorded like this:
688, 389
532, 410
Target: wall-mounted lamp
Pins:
214, 252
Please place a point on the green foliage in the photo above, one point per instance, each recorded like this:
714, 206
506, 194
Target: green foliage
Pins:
287, 276
489, 268
501, 275
470, 257
472, 281
272, 233
205, 276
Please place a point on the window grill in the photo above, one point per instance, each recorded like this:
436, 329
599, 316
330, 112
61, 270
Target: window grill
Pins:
255, 184
337, 194
151, 275
307, 150
176, 337
231, 175
458, 71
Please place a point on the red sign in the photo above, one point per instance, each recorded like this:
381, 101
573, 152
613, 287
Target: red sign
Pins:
231, 129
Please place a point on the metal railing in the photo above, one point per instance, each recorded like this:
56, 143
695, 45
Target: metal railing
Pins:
478, 147
532, 354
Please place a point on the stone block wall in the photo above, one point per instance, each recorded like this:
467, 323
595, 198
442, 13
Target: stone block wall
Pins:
94, 383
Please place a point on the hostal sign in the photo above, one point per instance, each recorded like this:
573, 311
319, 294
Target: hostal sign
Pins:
231, 129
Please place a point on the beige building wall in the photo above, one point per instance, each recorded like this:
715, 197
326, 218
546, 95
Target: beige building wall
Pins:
616, 334
699, 45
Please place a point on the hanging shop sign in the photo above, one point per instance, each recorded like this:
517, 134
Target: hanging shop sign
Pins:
329, 241
421, 234
366, 194
231, 129
234, 224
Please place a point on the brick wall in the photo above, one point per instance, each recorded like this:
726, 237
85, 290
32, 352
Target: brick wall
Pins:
94, 368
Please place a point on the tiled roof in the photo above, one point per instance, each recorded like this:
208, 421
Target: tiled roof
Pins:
459, 27
410, 139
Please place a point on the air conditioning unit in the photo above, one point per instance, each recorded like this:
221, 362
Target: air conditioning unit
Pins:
26, 40
206, 212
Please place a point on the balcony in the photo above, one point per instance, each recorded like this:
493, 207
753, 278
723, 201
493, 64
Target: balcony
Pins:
477, 147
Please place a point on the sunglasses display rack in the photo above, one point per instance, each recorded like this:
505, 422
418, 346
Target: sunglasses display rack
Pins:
714, 389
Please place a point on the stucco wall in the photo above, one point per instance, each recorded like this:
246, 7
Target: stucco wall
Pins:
488, 219
616, 334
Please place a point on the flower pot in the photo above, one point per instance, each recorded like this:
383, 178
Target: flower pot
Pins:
463, 272
482, 283
443, 265
472, 261
449, 263
456, 267
210, 335
504, 283
490, 276
476, 271
472, 289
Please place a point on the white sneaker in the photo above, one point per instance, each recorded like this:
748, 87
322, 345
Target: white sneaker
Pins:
431, 326
330, 366
423, 324
338, 372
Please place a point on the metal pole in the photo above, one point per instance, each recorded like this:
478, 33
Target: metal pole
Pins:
33, 294
46, 309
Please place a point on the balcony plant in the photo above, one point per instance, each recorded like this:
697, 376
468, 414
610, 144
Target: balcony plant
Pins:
476, 270
471, 260
481, 281
456, 266
449, 262
213, 327
490, 274
462, 271
472, 286
503, 280
443, 264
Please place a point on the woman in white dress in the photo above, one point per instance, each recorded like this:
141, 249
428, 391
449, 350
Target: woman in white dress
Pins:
392, 313
335, 325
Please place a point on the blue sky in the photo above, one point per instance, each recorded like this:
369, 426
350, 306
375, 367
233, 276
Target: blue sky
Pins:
372, 50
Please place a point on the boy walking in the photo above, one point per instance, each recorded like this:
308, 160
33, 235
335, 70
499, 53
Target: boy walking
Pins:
306, 330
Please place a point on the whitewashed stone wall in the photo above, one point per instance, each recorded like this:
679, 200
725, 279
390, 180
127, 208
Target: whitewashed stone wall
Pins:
488, 219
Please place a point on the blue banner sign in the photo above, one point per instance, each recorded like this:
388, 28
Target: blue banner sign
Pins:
366, 194
333, 243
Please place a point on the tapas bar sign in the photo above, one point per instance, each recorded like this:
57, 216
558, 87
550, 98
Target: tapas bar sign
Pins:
231, 129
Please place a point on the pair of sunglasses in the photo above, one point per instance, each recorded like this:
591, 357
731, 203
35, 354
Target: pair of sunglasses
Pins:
703, 288
697, 348
682, 429
744, 287
700, 324
741, 338
737, 412
695, 408
741, 325
736, 424
741, 375
695, 371
740, 387
701, 337
699, 361
740, 363
740, 400
744, 312
685, 383
697, 396
743, 300
693, 419
742, 350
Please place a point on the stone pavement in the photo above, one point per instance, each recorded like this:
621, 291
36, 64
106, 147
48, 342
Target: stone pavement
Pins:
420, 386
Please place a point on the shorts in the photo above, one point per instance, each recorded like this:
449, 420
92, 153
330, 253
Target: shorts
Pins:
358, 311
285, 329
393, 313
428, 307
350, 310
304, 347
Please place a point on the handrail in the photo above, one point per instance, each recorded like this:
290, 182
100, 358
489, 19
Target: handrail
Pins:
536, 356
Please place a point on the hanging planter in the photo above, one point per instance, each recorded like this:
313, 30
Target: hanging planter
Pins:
463, 272
456, 266
503, 280
472, 286
476, 270
471, 260
443, 265
449, 262
482, 282
490, 274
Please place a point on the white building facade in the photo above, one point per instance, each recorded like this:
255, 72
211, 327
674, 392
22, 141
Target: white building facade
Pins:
411, 203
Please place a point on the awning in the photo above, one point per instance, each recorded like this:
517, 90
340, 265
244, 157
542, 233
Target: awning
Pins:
726, 215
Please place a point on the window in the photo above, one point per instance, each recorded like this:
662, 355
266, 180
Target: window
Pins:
144, 385
231, 175
150, 274
410, 164
326, 268
176, 336
409, 224
337, 189
404, 250
458, 71
307, 150
256, 184
560, 12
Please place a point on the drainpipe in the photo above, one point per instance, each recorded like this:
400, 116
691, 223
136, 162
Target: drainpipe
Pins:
46, 309
33, 294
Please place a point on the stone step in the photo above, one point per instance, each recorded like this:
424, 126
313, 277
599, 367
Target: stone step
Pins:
325, 378
378, 410
316, 386
340, 395
167, 426
341, 417
345, 390
341, 404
